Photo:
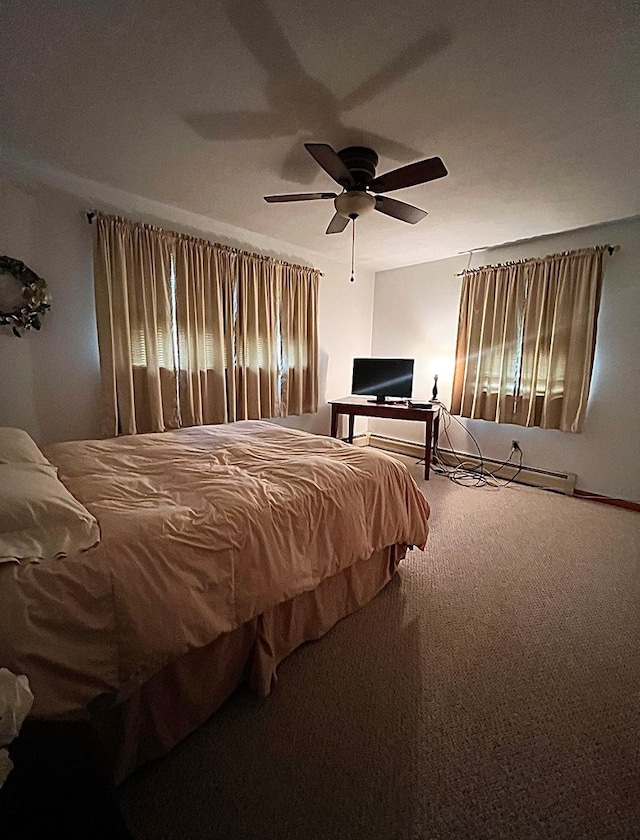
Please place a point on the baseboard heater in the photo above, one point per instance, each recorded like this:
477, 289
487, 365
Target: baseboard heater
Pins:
546, 479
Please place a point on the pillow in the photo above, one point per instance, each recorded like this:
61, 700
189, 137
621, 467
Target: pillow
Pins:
39, 518
16, 447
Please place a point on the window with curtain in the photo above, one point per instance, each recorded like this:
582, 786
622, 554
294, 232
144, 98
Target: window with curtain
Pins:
526, 340
191, 332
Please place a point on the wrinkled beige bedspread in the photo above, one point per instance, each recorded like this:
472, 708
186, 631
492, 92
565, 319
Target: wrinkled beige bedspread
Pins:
202, 530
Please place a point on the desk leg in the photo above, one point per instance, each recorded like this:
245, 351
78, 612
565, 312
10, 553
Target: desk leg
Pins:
351, 420
334, 421
427, 448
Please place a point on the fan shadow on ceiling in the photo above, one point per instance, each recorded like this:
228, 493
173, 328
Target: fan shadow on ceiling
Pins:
301, 104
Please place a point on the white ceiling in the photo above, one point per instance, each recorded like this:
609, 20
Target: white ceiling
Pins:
205, 105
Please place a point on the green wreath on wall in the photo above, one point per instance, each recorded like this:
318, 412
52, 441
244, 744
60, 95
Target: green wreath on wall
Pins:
23, 296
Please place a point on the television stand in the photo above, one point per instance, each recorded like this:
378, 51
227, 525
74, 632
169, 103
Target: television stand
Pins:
357, 407
387, 401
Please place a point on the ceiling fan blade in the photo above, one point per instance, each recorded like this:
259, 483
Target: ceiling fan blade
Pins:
337, 224
399, 209
408, 176
272, 199
331, 163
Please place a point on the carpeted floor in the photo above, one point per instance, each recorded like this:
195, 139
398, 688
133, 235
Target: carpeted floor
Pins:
492, 691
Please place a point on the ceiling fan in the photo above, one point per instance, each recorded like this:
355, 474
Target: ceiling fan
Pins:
354, 169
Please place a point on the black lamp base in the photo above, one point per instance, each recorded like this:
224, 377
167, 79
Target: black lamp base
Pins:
434, 393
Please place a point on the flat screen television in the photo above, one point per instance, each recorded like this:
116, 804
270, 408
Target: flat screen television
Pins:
382, 378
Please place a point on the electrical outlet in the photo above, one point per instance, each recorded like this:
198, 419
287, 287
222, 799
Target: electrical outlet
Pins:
515, 444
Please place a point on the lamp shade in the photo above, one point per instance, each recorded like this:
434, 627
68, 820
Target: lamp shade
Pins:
353, 204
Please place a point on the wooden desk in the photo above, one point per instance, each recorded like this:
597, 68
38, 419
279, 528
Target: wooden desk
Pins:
359, 407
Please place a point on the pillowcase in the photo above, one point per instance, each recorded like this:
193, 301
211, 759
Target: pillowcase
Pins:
39, 518
16, 447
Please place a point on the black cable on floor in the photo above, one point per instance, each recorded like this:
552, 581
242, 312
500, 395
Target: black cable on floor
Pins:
465, 473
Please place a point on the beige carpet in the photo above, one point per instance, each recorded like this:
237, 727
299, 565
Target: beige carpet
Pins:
491, 691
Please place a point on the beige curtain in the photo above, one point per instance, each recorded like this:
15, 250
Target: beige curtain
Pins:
193, 333
248, 339
132, 266
204, 315
299, 318
526, 341
254, 379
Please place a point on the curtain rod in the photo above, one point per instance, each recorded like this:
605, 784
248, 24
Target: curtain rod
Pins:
610, 248
91, 214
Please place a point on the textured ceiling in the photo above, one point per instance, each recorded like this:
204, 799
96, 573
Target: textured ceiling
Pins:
205, 105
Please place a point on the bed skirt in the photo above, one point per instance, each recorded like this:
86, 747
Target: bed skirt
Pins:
181, 696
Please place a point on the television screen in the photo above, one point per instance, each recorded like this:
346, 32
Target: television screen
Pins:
382, 378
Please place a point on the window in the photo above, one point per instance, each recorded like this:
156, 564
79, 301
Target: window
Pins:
192, 332
526, 340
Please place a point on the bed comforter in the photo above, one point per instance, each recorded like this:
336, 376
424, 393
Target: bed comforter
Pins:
202, 529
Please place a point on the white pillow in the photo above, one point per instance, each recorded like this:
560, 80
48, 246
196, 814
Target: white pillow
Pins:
16, 447
39, 518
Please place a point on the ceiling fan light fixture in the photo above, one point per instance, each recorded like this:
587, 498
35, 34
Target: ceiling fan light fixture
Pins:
353, 204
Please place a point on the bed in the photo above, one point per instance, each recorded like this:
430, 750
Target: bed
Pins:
221, 550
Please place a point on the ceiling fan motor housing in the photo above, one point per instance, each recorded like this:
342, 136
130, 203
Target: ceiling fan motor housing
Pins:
361, 163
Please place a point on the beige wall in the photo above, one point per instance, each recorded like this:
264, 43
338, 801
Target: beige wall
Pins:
416, 313
50, 381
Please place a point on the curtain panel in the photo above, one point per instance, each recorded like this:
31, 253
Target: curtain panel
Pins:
192, 332
526, 341
132, 267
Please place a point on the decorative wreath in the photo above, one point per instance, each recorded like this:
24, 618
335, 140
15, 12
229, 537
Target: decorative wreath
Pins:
22, 310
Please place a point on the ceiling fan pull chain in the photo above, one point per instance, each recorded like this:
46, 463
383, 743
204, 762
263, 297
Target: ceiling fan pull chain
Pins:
353, 249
